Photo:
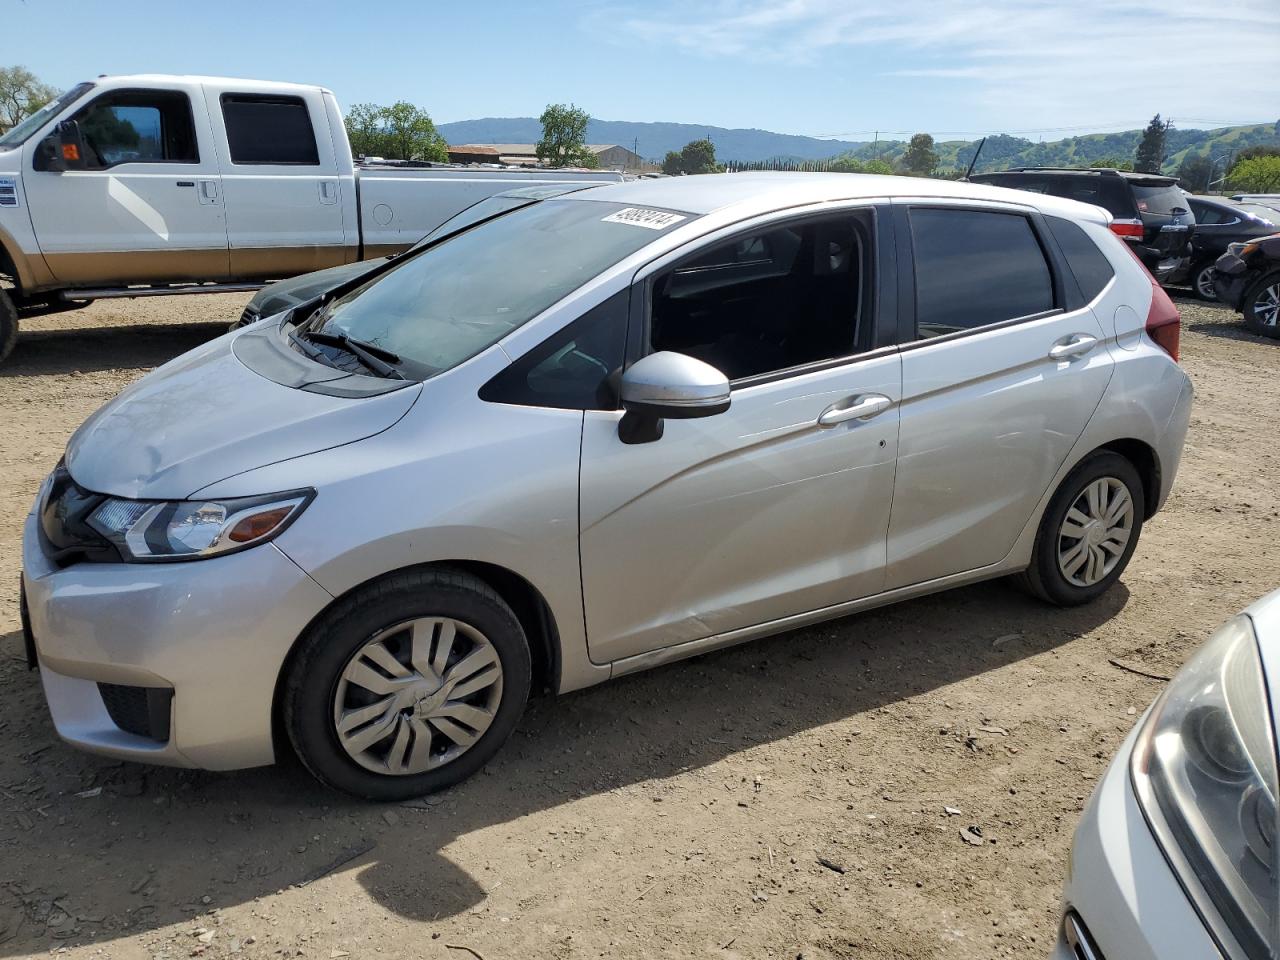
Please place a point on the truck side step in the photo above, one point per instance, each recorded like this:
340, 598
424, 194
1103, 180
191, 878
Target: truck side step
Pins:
111, 293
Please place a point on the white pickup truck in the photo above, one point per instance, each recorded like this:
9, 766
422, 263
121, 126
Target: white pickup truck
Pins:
141, 185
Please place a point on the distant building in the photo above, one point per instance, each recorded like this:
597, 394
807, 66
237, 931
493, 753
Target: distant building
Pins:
612, 156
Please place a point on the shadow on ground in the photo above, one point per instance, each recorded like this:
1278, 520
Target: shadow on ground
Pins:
143, 852
85, 349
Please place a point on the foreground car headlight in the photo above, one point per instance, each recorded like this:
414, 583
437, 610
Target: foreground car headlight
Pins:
157, 531
1204, 767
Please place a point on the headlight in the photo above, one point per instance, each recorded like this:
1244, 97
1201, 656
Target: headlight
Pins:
1206, 762
155, 531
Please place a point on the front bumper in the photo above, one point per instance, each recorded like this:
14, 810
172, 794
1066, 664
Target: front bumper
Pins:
215, 632
1120, 885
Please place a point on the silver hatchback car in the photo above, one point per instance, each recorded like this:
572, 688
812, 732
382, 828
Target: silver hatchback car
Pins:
589, 436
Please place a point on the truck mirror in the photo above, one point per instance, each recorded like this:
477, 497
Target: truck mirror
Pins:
49, 155
72, 145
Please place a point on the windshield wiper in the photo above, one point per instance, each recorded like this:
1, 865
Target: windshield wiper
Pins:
370, 354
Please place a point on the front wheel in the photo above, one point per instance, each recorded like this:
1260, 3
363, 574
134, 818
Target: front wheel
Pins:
1088, 532
8, 325
408, 685
1202, 282
1261, 306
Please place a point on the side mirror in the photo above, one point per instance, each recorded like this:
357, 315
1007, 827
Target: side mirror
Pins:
666, 386
61, 150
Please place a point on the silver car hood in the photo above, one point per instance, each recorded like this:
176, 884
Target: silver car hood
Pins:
204, 417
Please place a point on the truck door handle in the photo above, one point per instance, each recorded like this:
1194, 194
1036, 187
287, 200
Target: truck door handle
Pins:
1073, 346
208, 191
863, 406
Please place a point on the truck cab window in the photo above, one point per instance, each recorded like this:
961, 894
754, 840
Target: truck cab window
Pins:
262, 129
145, 126
782, 297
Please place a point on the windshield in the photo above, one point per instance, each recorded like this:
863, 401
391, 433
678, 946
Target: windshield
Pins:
18, 134
446, 304
1161, 200
499, 203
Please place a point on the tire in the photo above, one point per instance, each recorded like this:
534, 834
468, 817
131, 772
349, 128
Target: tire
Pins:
1261, 307
8, 326
1202, 281
443, 610
1046, 578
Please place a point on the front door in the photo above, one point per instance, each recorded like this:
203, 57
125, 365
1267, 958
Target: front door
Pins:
145, 202
779, 506
280, 175
1000, 375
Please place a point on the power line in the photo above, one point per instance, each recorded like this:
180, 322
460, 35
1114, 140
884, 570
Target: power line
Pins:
1123, 125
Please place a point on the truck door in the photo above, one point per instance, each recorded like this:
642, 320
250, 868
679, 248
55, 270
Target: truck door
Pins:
144, 203
280, 175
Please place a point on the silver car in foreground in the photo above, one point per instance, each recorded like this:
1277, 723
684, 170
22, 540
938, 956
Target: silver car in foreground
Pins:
599, 433
1176, 856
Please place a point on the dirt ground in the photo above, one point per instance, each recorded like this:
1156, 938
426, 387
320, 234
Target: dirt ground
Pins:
677, 813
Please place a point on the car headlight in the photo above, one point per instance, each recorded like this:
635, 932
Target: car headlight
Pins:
1206, 761
153, 531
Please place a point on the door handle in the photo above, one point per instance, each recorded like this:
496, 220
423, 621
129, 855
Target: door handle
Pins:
1073, 346
208, 191
864, 406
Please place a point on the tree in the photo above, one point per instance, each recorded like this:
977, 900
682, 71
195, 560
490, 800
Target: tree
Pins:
1194, 171
1150, 153
1113, 163
1255, 175
564, 137
848, 163
920, 157
21, 94
398, 132
1261, 150
696, 156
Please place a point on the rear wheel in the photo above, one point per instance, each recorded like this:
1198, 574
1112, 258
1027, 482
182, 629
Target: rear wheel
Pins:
407, 686
1202, 281
8, 325
1089, 531
1261, 306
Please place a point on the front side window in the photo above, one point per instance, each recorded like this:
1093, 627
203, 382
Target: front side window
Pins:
269, 130
146, 126
782, 297
974, 268
447, 303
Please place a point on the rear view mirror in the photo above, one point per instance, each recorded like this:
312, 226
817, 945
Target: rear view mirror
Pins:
61, 150
668, 385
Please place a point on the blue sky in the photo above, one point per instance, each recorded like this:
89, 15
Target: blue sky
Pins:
817, 67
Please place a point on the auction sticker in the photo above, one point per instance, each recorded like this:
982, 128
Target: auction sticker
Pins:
640, 217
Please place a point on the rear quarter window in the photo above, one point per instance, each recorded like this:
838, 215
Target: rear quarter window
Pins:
1091, 268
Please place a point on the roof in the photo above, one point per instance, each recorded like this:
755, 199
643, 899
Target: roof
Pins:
760, 192
476, 148
256, 85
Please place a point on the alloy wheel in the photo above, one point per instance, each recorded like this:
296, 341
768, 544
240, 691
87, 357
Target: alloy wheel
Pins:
1095, 532
1204, 284
1267, 307
417, 695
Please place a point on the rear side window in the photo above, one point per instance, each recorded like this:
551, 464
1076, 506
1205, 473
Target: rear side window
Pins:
1161, 200
269, 130
572, 370
975, 268
1092, 270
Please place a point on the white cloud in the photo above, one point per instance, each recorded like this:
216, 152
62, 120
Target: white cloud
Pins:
1046, 61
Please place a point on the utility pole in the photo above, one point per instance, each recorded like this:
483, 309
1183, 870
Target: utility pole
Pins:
635, 145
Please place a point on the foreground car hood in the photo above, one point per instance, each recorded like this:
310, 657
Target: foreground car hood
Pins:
206, 416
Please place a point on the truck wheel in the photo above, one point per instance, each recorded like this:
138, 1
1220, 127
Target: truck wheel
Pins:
1202, 281
8, 325
1261, 306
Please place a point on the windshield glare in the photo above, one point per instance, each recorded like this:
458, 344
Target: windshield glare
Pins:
446, 304
19, 133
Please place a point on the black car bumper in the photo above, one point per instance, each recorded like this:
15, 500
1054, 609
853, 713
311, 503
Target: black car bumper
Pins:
1231, 276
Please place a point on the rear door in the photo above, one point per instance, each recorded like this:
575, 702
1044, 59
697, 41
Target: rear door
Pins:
282, 191
1002, 367
145, 204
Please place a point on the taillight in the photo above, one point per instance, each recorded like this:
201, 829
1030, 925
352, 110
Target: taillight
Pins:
1164, 323
1128, 228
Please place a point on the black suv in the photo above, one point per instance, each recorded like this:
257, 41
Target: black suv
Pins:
1149, 211
1247, 278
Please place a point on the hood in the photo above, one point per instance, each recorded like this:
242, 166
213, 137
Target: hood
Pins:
206, 416
286, 294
